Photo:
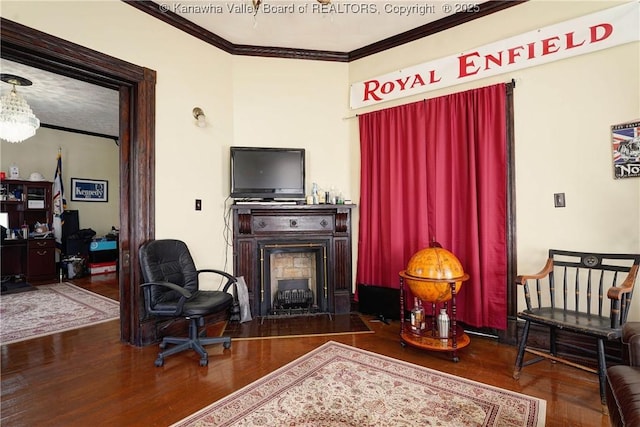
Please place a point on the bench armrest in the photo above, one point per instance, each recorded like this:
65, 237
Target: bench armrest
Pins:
548, 268
626, 287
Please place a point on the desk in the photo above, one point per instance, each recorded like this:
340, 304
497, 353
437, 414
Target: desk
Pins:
34, 259
41, 259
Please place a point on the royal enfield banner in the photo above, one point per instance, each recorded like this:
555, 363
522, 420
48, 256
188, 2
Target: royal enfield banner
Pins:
625, 142
590, 33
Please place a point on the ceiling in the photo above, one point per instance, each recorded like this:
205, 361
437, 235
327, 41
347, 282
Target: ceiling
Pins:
62, 102
340, 26
293, 28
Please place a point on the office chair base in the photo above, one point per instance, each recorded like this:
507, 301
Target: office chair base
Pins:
193, 342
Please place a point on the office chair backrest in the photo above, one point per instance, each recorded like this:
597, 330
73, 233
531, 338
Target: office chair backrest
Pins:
168, 261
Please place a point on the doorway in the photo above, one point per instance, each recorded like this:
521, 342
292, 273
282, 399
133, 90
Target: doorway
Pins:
136, 87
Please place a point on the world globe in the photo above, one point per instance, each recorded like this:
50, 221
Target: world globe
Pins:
431, 271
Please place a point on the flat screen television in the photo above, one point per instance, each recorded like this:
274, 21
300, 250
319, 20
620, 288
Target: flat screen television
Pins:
267, 173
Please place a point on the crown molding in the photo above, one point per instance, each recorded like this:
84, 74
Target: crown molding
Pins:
486, 8
177, 21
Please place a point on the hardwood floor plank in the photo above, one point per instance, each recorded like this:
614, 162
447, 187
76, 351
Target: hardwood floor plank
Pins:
88, 377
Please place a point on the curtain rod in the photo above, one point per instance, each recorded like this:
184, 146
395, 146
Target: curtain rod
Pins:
513, 82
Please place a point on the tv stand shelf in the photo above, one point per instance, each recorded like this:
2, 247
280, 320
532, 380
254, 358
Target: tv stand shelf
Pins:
261, 226
268, 203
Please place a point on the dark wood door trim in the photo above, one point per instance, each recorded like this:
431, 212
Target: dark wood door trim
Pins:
137, 144
510, 335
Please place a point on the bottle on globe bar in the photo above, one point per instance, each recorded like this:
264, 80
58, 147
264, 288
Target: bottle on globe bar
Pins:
417, 316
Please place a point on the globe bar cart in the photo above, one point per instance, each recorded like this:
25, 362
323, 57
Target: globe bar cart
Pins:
434, 276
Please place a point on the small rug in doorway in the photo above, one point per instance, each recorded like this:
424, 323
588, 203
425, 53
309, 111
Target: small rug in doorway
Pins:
297, 326
50, 309
339, 385
11, 287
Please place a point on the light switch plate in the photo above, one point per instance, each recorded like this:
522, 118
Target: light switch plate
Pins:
558, 200
198, 204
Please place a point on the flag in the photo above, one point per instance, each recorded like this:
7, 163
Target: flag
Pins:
59, 202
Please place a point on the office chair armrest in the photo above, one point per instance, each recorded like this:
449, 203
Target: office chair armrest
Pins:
185, 293
184, 296
230, 279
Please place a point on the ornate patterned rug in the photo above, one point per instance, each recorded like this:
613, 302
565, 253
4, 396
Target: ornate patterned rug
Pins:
339, 385
50, 309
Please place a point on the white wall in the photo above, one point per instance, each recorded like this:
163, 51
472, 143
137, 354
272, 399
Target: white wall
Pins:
294, 103
83, 156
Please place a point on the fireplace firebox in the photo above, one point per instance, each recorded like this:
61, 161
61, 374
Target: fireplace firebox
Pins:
293, 296
289, 266
294, 250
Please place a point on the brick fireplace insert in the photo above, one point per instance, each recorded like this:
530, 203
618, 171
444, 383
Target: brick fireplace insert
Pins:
320, 233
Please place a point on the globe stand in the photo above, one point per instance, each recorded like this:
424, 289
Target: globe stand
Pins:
429, 339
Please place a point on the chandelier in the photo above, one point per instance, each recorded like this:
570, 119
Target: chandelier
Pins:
17, 121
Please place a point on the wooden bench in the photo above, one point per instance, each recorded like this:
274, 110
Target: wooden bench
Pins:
570, 293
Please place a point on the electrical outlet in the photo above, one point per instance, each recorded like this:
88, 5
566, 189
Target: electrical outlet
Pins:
558, 200
198, 204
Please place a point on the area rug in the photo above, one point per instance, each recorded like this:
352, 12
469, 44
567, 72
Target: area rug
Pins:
50, 309
339, 385
297, 326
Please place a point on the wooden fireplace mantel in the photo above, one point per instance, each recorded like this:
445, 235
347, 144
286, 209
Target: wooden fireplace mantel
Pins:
257, 226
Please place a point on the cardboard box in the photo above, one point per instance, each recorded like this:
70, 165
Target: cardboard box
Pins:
102, 267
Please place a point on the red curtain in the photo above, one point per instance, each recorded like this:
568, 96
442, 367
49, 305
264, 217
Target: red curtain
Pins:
437, 170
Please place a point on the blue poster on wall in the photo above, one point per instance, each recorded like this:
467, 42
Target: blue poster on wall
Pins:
89, 190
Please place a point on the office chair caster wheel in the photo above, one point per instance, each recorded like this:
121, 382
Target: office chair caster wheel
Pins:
159, 362
162, 345
226, 344
204, 362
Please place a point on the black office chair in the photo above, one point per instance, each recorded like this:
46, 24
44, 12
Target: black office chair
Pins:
171, 290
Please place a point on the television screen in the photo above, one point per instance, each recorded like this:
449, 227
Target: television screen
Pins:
267, 173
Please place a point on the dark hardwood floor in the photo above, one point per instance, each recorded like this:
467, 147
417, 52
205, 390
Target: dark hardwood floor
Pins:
87, 377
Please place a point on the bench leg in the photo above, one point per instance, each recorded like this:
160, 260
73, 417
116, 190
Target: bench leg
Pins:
602, 371
553, 349
521, 348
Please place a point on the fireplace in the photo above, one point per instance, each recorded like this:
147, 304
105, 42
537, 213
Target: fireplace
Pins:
312, 243
294, 278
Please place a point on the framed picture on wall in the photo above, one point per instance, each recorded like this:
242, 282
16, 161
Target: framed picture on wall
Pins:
89, 190
625, 142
